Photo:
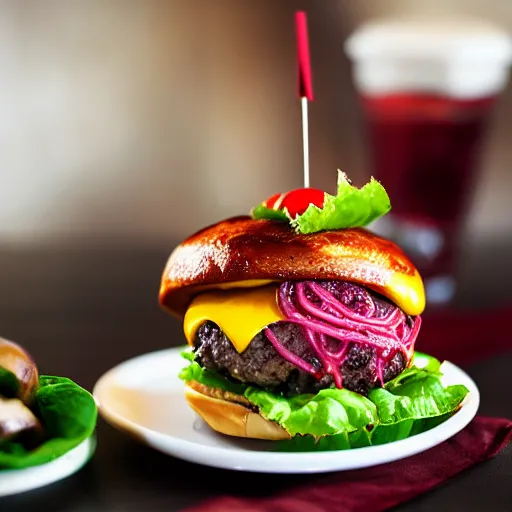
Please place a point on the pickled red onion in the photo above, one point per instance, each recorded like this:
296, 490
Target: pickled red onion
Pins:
322, 315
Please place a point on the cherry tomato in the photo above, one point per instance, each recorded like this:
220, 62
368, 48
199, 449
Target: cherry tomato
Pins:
297, 201
273, 202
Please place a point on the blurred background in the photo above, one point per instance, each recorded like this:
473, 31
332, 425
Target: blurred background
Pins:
125, 126
120, 118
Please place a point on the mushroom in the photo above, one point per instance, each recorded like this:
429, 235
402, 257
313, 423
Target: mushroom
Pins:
16, 419
16, 360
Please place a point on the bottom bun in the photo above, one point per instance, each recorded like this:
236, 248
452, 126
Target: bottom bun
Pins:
233, 419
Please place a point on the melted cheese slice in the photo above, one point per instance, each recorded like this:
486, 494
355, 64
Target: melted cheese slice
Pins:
407, 292
240, 313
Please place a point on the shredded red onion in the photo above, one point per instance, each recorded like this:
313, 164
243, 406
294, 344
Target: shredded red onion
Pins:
288, 355
341, 321
326, 320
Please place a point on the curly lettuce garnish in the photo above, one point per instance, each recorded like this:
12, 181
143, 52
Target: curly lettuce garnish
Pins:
349, 208
308, 211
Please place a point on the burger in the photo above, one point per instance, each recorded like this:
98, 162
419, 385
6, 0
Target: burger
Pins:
301, 324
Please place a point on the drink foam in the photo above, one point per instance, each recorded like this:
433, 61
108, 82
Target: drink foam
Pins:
461, 58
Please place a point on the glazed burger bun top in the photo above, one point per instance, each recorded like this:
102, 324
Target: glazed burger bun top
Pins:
242, 252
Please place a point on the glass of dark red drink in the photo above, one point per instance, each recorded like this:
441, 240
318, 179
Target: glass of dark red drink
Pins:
427, 92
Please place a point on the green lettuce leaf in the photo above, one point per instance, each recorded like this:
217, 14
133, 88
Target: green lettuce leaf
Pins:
423, 396
337, 419
420, 363
68, 414
193, 372
351, 207
361, 438
262, 212
329, 412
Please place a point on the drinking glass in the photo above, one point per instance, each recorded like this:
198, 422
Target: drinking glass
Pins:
427, 90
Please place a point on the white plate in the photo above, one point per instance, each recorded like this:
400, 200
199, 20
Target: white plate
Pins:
15, 481
144, 398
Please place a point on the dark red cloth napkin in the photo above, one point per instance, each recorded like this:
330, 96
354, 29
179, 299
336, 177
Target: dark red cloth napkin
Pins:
385, 486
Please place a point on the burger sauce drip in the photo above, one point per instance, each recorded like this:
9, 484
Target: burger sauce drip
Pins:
331, 326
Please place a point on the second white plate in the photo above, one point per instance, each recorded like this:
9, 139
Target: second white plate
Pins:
14, 481
144, 398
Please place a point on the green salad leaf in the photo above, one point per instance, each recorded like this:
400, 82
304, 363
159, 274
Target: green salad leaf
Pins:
351, 207
262, 212
329, 412
68, 415
208, 378
336, 419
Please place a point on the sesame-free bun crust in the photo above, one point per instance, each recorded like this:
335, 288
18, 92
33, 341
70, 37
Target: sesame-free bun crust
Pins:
241, 249
233, 419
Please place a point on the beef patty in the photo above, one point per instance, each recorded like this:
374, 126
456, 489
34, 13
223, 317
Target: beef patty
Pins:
261, 364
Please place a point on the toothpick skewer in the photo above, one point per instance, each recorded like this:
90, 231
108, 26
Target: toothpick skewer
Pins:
305, 139
305, 85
